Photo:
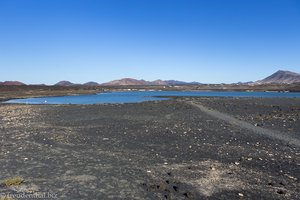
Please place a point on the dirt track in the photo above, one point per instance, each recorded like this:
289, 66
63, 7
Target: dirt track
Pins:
286, 137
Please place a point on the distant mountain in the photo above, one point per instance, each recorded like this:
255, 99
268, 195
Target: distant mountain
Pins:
126, 81
64, 83
281, 77
175, 82
12, 83
91, 83
131, 81
156, 82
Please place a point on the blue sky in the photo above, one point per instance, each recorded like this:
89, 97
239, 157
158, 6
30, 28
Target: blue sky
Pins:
210, 41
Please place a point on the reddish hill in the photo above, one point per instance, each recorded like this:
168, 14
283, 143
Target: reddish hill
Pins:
131, 81
12, 83
126, 81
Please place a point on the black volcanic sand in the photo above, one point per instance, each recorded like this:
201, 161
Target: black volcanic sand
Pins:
151, 150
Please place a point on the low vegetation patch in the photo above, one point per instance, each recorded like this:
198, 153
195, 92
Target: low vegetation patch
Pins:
5, 198
15, 181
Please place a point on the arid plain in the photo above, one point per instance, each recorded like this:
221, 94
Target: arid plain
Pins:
183, 148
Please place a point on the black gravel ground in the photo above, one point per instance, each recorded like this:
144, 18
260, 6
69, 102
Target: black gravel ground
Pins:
150, 150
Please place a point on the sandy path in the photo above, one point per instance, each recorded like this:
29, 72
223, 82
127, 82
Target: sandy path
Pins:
262, 131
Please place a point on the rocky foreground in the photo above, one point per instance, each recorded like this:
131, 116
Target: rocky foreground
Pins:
152, 150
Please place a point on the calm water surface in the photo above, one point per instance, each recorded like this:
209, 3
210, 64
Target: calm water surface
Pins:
140, 96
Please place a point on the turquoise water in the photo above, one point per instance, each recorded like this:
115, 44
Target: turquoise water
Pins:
140, 96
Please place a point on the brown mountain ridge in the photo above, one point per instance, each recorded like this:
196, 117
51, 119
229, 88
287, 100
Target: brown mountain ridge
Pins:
281, 77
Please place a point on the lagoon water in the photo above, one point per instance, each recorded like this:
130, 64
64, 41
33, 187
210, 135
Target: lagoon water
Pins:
140, 96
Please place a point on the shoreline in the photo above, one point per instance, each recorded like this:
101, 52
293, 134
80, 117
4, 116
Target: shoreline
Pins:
15, 96
9, 92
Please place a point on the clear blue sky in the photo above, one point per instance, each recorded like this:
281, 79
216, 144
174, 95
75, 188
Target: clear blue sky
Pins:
210, 41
